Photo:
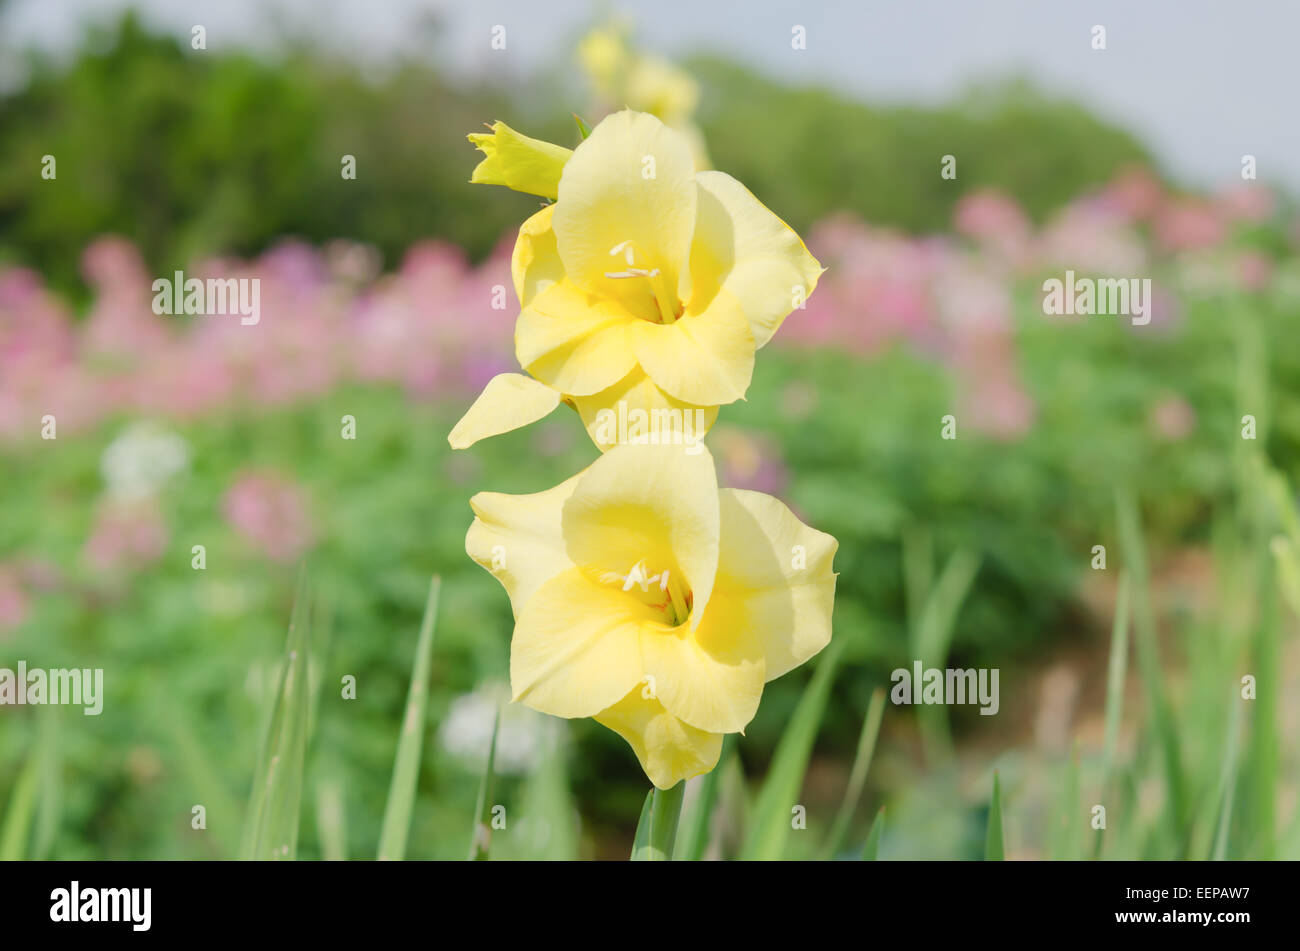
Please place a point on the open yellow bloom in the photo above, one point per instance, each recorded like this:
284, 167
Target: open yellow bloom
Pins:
646, 286
649, 599
518, 162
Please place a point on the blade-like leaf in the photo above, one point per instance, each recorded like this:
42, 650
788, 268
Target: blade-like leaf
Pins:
858, 773
641, 841
693, 838
871, 851
655, 842
481, 838
993, 848
331, 820
271, 825
1135, 561
29, 795
406, 765
770, 823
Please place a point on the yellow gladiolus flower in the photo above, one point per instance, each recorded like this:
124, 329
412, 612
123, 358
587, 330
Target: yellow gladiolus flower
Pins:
639, 80
518, 162
647, 287
649, 599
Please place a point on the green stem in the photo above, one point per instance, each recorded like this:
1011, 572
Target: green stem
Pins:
657, 830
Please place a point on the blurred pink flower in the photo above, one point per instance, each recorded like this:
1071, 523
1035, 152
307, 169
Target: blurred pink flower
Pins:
1254, 270
1172, 418
993, 399
14, 603
122, 326
1134, 194
1187, 225
126, 536
1089, 237
748, 460
269, 511
1246, 201
996, 221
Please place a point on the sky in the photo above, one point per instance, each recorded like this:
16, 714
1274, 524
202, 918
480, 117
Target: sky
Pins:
1200, 82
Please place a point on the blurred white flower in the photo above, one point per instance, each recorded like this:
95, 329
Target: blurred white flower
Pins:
466, 732
138, 462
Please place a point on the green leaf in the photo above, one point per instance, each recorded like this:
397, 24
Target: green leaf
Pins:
858, 774
32, 793
481, 838
1228, 781
271, 824
584, 130
641, 841
331, 820
693, 838
1116, 675
770, 825
659, 816
1135, 561
871, 851
931, 639
406, 765
993, 848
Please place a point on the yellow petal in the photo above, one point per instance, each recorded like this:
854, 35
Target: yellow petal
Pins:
657, 504
577, 645
635, 410
705, 359
743, 248
632, 180
518, 162
668, 749
714, 688
535, 263
509, 400
518, 538
775, 581
575, 342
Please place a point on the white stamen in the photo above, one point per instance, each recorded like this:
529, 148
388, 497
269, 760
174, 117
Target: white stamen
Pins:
628, 255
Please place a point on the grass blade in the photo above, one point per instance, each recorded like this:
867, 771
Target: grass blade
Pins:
994, 850
932, 639
693, 839
1134, 551
51, 787
871, 851
32, 796
331, 820
657, 829
858, 773
481, 839
771, 817
271, 825
641, 841
406, 765
1116, 677
1228, 782
1116, 674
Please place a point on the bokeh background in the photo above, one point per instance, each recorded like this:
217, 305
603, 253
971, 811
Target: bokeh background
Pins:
376, 298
